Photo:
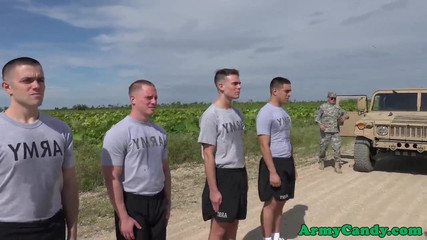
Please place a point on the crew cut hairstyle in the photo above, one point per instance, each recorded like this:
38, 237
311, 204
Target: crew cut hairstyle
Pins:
138, 84
17, 62
222, 73
278, 82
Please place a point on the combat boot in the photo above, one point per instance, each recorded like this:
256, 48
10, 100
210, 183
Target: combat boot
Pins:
338, 167
321, 163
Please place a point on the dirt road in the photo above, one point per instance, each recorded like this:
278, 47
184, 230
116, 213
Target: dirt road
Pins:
395, 194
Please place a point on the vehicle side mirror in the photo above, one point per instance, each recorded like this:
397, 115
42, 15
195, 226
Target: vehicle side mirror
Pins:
362, 104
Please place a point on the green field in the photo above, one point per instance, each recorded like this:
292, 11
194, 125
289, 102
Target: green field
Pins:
181, 124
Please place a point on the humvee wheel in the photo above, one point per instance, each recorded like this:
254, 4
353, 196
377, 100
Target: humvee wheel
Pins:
363, 161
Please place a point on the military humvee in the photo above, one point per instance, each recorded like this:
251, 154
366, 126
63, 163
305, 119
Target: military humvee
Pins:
395, 122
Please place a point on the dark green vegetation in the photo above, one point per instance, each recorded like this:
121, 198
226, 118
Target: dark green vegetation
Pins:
181, 123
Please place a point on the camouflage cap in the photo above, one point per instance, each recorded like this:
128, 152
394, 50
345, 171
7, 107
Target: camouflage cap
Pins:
332, 94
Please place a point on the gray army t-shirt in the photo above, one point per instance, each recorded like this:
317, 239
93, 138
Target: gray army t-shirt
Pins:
32, 157
275, 122
141, 148
223, 128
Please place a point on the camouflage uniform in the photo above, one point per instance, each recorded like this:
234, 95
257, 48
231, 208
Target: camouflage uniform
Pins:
329, 115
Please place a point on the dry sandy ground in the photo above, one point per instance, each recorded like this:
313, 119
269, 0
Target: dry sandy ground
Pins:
395, 194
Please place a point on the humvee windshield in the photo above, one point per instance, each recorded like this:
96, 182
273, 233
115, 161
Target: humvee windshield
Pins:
395, 102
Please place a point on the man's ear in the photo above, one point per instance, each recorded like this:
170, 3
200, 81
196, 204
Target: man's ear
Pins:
274, 92
132, 100
6, 87
220, 86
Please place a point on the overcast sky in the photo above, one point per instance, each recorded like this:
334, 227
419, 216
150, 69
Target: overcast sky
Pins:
92, 50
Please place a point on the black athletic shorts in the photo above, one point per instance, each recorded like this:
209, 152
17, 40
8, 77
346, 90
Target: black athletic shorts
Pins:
232, 183
285, 168
49, 229
149, 212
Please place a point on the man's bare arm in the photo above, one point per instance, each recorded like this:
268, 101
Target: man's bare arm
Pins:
210, 170
70, 201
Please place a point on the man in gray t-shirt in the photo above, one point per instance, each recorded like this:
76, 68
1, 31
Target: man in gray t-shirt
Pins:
224, 198
38, 186
223, 128
136, 169
276, 178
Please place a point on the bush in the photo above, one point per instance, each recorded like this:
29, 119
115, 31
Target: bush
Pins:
88, 165
183, 148
80, 107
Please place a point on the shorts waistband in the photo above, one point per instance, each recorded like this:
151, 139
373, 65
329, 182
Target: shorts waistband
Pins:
158, 195
58, 216
283, 159
231, 169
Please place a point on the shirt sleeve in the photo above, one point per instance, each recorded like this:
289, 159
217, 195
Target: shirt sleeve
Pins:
208, 129
263, 123
114, 148
165, 149
318, 114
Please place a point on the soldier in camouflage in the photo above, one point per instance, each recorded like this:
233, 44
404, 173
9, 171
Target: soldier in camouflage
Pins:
329, 117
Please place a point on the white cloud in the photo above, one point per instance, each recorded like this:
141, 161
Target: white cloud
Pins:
179, 44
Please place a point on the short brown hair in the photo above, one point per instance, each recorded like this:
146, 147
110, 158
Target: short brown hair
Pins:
9, 66
137, 85
278, 82
222, 73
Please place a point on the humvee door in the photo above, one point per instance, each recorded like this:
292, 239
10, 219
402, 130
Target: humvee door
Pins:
358, 107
